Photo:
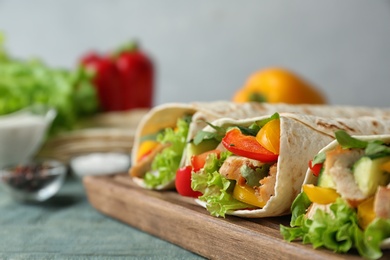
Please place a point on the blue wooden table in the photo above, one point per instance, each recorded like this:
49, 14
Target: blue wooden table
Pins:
68, 227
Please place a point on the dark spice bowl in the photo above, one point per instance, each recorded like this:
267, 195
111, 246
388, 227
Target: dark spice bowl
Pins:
33, 181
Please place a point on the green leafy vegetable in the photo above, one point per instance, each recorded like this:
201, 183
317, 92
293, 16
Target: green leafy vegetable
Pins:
337, 230
261, 123
375, 233
166, 163
319, 158
221, 131
256, 126
206, 135
346, 141
253, 176
298, 208
215, 188
376, 150
27, 82
373, 149
252, 130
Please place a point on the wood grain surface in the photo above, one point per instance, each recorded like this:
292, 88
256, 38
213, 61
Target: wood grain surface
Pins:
179, 220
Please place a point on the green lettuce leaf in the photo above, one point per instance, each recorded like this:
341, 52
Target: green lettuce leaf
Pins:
166, 163
338, 230
216, 190
375, 233
333, 230
27, 82
298, 208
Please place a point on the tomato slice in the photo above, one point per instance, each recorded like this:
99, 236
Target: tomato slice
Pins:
316, 168
269, 136
247, 146
198, 161
183, 182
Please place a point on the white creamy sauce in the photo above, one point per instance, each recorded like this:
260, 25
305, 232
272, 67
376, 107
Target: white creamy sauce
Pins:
20, 137
100, 164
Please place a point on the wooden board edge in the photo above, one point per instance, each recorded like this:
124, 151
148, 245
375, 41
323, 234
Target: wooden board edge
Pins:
191, 227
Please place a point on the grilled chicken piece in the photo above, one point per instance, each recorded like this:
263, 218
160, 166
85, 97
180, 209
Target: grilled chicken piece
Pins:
231, 167
313, 208
338, 165
267, 188
382, 202
231, 170
144, 165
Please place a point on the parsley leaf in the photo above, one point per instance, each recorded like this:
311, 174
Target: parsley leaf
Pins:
319, 158
346, 141
253, 176
261, 123
206, 135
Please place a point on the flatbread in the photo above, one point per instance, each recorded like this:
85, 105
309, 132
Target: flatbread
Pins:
301, 136
311, 179
166, 115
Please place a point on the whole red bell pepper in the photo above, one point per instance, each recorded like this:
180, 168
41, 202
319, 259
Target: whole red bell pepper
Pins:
136, 78
105, 80
123, 79
247, 146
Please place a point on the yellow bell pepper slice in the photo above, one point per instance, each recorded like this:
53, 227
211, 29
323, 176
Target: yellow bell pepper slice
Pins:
269, 136
320, 195
247, 195
146, 147
365, 212
386, 166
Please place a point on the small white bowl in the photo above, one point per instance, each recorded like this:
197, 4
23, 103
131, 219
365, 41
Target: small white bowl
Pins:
23, 132
100, 164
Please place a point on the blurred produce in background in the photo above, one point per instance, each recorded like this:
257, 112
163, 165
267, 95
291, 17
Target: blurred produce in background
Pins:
123, 78
118, 81
27, 82
279, 85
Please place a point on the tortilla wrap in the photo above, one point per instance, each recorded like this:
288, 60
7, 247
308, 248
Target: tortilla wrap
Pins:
347, 187
166, 115
301, 136
382, 136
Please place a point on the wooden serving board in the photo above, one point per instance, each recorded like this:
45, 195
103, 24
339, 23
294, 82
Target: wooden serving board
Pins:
179, 220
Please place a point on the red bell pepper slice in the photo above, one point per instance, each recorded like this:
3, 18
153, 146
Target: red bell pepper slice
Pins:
316, 168
198, 161
183, 182
247, 146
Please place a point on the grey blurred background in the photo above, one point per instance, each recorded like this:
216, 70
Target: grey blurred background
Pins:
205, 50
